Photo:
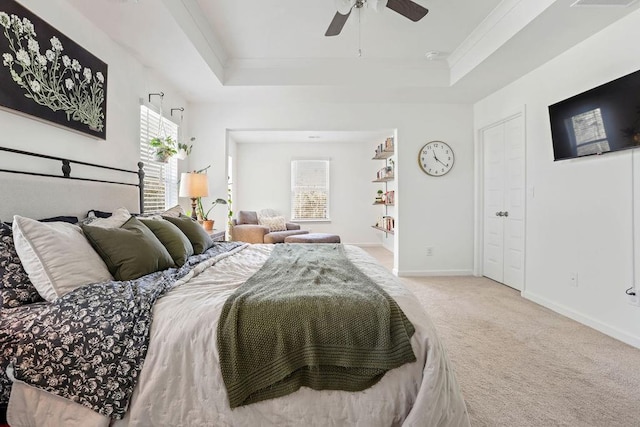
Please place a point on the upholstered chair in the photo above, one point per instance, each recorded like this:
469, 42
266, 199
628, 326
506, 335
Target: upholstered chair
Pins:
246, 228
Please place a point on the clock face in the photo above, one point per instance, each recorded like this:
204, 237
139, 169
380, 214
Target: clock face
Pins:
436, 158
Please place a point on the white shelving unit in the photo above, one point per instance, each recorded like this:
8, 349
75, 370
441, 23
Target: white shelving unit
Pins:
385, 175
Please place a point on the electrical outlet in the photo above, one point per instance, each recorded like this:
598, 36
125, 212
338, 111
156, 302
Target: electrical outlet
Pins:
430, 251
573, 280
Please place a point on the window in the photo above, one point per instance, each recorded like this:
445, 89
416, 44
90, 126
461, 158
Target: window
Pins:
310, 190
160, 179
589, 133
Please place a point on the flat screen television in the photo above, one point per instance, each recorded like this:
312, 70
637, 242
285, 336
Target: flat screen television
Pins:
601, 120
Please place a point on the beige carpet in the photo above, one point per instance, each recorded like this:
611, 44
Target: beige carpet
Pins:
519, 364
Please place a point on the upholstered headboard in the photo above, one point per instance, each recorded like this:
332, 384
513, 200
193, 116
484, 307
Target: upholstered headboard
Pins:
38, 191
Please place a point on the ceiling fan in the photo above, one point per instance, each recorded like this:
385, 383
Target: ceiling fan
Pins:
406, 8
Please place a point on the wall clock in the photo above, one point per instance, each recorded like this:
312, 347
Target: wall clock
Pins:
436, 158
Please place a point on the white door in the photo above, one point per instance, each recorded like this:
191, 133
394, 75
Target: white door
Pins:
494, 182
504, 210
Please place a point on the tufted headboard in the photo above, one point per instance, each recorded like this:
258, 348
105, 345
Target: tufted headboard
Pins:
45, 186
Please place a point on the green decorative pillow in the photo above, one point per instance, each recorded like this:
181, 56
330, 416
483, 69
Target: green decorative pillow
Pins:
174, 240
130, 251
195, 233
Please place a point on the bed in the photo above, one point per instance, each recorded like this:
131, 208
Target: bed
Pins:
181, 379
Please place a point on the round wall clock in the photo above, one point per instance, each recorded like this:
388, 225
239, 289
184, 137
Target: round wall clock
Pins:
436, 158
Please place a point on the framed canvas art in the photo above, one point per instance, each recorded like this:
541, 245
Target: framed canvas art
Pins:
48, 76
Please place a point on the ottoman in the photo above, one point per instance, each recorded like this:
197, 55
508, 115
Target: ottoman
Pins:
313, 238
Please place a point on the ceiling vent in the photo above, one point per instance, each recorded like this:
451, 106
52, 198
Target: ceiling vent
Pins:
603, 3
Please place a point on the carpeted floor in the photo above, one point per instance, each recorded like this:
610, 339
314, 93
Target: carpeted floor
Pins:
520, 364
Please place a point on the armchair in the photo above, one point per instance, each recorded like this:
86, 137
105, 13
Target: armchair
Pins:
246, 228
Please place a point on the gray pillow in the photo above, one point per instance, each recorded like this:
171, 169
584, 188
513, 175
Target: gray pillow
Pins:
130, 251
174, 240
195, 233
247, 217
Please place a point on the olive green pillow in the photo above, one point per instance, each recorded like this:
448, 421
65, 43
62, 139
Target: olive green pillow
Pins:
195, 233
174, 240
130, 251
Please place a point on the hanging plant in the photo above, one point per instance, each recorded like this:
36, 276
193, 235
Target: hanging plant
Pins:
184, 150
165, 148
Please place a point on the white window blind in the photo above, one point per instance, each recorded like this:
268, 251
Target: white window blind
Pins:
310, 190
160, 179
589, 132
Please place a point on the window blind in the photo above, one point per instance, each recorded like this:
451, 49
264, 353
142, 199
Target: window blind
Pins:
310, 189
160, 179
590, 133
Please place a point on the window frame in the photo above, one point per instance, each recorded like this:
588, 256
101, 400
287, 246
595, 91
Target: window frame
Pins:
326, 187
157, 173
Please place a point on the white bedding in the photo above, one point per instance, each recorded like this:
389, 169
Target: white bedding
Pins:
181, 384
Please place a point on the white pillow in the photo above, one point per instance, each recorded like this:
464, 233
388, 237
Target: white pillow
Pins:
173, 212
268, 213
116, 220
57, 257
275, 223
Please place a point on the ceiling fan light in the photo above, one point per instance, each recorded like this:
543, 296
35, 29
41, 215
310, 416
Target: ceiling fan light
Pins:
344, 6
377, 5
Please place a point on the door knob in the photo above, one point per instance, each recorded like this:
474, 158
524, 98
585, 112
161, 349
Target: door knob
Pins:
499, 213
505, 213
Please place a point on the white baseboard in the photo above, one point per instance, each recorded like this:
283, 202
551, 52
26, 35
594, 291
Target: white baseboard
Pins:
366, 245
584, 319
428, 273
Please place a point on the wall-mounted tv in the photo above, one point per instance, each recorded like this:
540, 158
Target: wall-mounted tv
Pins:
600, 120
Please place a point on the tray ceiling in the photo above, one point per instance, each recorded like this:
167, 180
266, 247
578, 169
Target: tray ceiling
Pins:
270, 50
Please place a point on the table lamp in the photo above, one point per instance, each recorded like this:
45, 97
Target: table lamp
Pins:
193, 185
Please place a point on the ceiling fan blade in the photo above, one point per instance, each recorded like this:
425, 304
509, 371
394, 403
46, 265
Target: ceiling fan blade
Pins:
337, 23
408, 9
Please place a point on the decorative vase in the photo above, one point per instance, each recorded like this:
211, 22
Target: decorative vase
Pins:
207, 224
182, 154
160, 157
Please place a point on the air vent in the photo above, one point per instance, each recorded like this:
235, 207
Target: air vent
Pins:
603, 3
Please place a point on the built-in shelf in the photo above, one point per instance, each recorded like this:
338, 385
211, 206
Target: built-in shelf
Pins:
385, 179
383, 155
384, 152
382, 229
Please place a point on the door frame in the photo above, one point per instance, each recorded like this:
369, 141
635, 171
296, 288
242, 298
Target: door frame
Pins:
478, 250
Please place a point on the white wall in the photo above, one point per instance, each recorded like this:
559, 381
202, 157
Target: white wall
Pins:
264, 181
578, 211
435, 212
128, 82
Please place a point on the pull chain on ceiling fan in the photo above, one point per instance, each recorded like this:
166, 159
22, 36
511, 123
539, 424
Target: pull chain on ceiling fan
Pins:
406, 8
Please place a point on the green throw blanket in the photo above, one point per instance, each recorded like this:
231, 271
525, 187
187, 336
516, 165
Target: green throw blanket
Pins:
309, 317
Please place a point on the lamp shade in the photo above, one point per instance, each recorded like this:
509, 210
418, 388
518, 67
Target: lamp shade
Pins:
193, 185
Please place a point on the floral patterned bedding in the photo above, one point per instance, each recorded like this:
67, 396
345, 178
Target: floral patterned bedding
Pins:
89, 345
13, 323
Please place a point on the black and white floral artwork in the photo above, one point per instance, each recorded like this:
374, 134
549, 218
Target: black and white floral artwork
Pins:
47, 75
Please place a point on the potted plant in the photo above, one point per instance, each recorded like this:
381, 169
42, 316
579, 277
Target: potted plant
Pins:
165, 148
379, 198
184, 150
204, 216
